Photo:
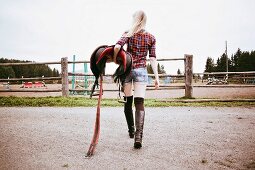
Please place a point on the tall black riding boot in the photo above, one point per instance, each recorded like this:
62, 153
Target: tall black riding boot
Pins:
129, 115
139, 122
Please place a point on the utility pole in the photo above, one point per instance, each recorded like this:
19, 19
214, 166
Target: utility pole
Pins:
226, 52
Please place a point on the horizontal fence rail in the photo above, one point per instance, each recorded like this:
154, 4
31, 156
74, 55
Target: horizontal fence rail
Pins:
109, 75
149, 87
26, 79
39, 63
224, 78
169, 59
70, 62
229, 73
28, 63
223, 86
31, 90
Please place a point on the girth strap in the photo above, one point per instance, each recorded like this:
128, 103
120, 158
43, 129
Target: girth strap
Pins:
94, 140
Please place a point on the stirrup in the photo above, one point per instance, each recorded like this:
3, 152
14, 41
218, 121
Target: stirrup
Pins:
95, 94
121, 100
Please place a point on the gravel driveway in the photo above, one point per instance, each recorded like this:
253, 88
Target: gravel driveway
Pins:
174, 138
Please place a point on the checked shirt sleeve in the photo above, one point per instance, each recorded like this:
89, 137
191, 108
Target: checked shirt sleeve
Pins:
123, 40
152, 47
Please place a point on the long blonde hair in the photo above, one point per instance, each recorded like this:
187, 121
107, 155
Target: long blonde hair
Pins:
139, 23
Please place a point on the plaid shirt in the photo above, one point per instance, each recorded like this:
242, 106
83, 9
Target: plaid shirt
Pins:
139, 45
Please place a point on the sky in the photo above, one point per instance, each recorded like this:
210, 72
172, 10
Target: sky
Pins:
47, 30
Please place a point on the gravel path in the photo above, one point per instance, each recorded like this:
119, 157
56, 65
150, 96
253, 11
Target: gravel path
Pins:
174, 138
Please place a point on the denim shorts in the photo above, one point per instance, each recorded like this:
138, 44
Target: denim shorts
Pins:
137, 75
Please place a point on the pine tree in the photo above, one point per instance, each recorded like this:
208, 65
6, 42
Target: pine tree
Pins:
149, 69
161, 69
221, 63
252, 60
18, 71
209, 67
178, 71
6, 71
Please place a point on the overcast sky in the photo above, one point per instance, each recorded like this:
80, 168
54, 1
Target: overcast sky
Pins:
46, 30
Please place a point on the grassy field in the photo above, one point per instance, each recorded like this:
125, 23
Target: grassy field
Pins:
86, 102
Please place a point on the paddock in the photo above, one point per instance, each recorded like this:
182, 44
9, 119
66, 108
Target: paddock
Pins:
174, 138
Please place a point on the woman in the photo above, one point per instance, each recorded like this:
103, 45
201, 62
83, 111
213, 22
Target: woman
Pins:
139, 43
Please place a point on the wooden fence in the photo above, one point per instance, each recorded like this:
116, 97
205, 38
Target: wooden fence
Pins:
188, 76
246, 79
188, 65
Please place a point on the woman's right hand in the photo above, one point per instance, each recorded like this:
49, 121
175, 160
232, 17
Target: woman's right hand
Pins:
156, 84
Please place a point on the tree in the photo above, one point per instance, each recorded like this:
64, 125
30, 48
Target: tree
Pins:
221, 63
243, 62
18, 71
252, 60
6, 71
178, 71
235, 59
240, 61
232, 64
55, 73
161, 69
149, 69
209, 66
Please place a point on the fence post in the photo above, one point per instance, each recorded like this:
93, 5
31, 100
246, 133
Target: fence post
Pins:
73, 77
188, 62
64, 75
85, 78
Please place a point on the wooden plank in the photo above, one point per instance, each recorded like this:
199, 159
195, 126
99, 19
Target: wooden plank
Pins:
223, 86
70, 62
148, 88
31, 90
208, 100
164, 85
151, 75
27, 79
166, 75
80, 74
216, 73
166, 88
29, 63
169, 59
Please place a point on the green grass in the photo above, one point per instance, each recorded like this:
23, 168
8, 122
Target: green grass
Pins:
86, 102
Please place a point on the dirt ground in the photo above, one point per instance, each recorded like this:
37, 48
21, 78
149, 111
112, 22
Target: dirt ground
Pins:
198, 92
174, 138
